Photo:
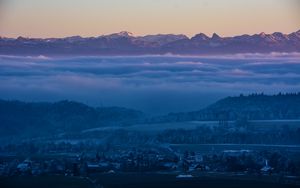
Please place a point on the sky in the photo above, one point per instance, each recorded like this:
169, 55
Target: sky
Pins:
154, 84
60, 18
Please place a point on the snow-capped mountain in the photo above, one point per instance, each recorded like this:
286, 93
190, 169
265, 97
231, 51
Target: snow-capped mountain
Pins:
125, 43
122, 34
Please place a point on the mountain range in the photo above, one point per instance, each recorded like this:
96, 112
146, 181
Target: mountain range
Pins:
125, 43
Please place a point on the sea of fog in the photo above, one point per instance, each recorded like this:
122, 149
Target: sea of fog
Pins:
153, 84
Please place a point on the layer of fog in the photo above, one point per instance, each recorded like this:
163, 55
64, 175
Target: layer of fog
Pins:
154, 84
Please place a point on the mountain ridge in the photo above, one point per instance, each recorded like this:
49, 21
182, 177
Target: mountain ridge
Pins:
125, 43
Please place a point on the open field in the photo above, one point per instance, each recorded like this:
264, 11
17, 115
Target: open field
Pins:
207, 148
190, 125
157, 127
44, 182
275, 124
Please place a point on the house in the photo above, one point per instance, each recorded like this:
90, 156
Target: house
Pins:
98, 167
25, 166
267, 169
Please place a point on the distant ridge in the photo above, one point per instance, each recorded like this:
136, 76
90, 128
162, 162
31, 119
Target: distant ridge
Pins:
36, 119
125, 43
251, 107
44, 118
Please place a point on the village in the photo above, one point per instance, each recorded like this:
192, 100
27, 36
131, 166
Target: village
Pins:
150, 160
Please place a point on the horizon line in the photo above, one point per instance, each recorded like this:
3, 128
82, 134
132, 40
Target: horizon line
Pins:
136, 36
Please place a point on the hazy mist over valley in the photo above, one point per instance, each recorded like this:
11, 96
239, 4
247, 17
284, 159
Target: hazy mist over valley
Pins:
153, 84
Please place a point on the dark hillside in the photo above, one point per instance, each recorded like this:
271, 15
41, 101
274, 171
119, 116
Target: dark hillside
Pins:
39, 119
251, 107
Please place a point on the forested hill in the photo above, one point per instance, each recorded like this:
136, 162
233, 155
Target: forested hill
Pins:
39, 119
251, 107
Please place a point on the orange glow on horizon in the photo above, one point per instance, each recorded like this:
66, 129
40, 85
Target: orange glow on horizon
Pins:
45, 18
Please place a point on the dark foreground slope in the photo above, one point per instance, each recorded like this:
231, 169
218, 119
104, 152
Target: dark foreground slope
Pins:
137, 180
45, 182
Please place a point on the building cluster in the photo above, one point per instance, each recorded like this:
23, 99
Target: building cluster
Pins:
136, 161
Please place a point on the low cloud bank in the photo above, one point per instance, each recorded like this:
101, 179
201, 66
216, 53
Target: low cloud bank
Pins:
155, 84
